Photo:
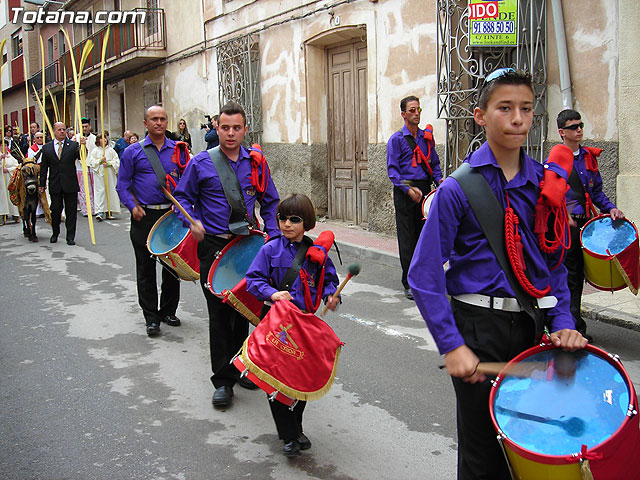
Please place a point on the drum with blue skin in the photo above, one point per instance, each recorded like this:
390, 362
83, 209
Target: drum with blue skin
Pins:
570, 402
174, 246
602, 239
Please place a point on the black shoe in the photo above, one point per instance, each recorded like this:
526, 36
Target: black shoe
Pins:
291, 449
171, 320
153, 329
244, 382
305, 443
53, 239
222, 396
71, 242
34, 239
408, 294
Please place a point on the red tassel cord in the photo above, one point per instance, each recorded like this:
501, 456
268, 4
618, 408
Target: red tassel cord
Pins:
171, 183
515, 253
260, 172
310, 305
175, 157
589, 207
560, 237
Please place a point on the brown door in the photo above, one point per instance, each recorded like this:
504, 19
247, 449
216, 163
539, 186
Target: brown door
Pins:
347, 136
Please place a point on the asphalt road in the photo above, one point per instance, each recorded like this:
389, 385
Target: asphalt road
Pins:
85, 394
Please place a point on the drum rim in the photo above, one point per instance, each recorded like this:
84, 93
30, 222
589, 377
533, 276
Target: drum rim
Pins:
153, 230
570, 457
226, 248
601, 256
427, 196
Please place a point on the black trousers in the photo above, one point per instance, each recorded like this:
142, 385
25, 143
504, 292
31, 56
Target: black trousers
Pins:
574, 262
70, 201
409, 224
288, 422
494, 336
227, 328
146, 272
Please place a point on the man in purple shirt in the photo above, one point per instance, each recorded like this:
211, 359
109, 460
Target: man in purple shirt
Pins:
201, 191
413, 165
585, 168
139, 191
484, 322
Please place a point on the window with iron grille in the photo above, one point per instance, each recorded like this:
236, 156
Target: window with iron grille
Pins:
239, 80
152, 94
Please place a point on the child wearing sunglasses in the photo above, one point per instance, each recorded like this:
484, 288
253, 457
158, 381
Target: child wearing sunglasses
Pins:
296, 216
585, 192
484, 321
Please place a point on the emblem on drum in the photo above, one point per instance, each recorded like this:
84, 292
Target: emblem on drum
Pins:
283, 342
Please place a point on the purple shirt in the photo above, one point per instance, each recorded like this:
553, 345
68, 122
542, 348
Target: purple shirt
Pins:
271, 264
136, 175
452, 226
400, 159
592, 183
201, 187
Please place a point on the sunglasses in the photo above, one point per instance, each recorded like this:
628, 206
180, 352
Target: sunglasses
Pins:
414, 110
291, 218
500, 72
575, 126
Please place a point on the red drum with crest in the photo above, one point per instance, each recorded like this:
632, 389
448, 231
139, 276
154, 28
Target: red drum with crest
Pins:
174, 245
290, 355
226, 276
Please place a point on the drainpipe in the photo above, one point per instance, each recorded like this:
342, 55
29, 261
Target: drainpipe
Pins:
563, 58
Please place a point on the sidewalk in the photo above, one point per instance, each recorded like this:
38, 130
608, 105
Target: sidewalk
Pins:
622, 308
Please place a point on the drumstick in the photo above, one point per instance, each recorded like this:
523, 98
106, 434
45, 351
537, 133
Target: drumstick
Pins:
522, 369
354, 269
177, 204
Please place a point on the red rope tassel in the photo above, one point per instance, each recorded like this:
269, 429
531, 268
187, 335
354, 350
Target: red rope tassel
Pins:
175, 157
171, 183
260, 172
304, 279
418, 157
588, 206
515, 253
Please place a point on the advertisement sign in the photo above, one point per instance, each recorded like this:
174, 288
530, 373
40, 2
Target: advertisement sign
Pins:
493, 23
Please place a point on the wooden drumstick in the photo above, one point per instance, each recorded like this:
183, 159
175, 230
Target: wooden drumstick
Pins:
522, 369
177, 204
354, 269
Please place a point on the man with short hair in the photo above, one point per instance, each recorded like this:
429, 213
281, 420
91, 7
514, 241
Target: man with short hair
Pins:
58, 159
211, 137
413, 166
585, 192
34, 150
139, 191
203, 186
122, 143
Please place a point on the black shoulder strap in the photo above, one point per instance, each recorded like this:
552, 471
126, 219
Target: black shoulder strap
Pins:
577, 188
239, 221
294, 269
490, 216
412, 145
155, 162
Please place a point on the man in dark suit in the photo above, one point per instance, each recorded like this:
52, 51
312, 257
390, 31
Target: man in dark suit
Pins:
59, 160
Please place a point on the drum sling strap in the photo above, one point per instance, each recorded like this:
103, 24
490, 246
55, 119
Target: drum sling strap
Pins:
294, 269
412, 145
155, 162
239, 221
490, 215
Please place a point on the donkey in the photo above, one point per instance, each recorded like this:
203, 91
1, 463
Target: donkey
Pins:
29, 202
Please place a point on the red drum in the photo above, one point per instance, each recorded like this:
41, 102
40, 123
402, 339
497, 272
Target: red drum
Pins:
290, 355
426, 204
575, 416
226, 276
174, 245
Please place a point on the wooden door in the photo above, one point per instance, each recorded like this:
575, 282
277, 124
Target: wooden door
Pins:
347, 135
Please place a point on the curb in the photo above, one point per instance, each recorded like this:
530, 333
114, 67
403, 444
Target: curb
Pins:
367, 253
610, 316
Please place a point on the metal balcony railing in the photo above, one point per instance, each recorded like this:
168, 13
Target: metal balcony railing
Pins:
125, 38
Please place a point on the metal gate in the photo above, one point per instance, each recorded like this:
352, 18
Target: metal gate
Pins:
461, 70
239, 80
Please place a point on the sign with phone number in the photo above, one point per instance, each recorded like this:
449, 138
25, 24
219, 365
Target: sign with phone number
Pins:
493, 23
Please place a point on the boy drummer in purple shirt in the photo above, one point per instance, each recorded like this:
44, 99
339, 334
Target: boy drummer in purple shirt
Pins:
483, 322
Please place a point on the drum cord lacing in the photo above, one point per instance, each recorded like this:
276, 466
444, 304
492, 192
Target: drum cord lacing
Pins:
515, 252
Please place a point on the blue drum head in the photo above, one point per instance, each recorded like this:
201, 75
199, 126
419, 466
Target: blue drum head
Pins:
571, 399
234, 264
605, 236
167, 235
